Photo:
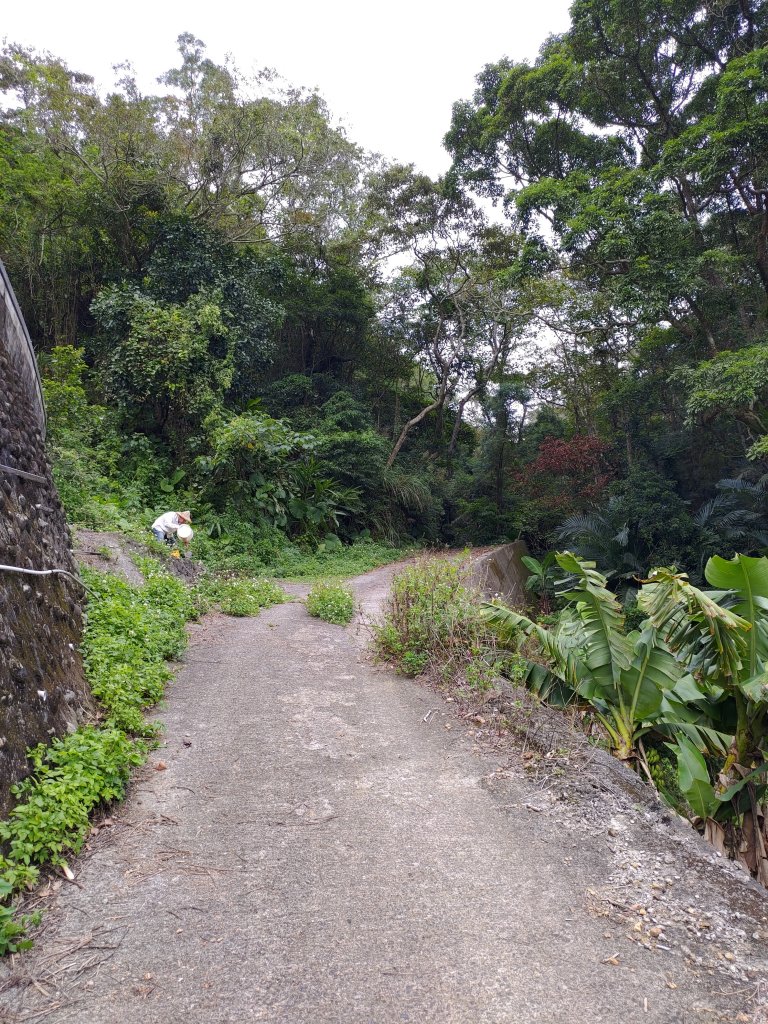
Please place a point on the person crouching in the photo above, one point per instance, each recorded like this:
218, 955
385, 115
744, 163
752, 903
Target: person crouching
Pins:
165, 526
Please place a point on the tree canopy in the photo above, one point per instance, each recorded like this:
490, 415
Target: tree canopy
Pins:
218, 263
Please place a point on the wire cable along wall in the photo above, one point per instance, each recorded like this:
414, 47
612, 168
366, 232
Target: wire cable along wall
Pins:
41, 596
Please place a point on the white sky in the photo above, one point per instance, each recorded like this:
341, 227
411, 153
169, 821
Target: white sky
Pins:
389, 72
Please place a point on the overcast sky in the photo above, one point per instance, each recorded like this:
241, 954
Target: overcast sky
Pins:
389, 71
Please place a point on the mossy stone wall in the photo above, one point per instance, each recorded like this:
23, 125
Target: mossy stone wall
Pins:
43, 692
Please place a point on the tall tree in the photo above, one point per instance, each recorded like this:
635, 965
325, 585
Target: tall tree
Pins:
457, 304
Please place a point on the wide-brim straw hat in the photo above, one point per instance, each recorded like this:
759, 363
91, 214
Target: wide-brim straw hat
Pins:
186, 516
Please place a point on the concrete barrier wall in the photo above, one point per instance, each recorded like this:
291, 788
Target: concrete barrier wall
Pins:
502, 572
43, 692
17, 346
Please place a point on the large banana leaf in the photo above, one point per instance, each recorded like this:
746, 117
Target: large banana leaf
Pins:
557, 684
752, 777
705, 731
607, 652
547, 685
747, 578
698, 692
693, 778
653, 671
711, 640
561, 651
756, 687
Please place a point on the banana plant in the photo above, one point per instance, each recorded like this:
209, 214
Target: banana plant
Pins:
624, 676
542, 579
721, 638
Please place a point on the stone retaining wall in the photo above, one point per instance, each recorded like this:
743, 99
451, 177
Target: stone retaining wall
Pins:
18, 348
43, 692
503, 572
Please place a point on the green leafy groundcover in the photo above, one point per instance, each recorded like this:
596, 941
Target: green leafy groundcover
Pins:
237, 596
348, 560
129, 634
331, 602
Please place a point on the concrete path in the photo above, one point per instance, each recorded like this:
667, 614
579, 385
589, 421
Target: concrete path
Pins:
322, 850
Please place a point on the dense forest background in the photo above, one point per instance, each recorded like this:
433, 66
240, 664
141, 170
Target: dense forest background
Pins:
240, 312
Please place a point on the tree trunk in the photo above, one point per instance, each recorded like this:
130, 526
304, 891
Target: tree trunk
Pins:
411, 423
456, 428
503, 424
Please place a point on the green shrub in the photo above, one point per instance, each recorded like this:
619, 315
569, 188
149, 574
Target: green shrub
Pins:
479, 521
432, 625
70, 777
332, 603
105, 476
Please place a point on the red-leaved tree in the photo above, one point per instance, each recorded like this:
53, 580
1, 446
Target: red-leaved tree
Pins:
566, 477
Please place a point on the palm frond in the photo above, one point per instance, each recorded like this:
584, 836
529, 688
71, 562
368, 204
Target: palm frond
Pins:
407, 491
758, 487
713, 509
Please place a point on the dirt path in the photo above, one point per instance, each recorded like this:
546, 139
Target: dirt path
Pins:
321, 849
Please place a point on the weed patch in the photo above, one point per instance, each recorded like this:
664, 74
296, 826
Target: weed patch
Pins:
237, 596
432, 626
332, 603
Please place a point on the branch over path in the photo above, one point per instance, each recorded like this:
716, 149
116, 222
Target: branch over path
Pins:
321, 846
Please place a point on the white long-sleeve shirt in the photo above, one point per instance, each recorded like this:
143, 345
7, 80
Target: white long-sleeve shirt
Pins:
168, 522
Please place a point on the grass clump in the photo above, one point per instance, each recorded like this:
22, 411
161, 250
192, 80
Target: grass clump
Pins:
332, 603
129, 633
238, 596
432, 626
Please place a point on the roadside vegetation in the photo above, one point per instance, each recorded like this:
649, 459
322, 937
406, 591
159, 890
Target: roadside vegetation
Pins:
678, 690
238, 596
433, 626
130, 633
218, 330
331, 602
